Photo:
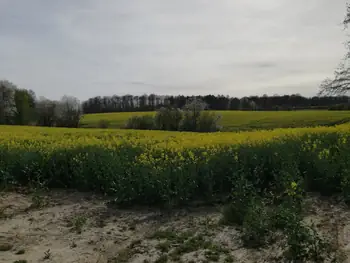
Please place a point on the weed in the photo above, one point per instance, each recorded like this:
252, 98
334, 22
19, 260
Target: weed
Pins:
257, 227
192, 244
47, 254
185, 242
243, 195
77, 223
285, 215
20, 261
167, 234
261, 218
38, 201
304, 244
73, 244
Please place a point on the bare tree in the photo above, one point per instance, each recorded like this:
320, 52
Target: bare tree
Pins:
7, 102
68, 112
340, 83
46, 112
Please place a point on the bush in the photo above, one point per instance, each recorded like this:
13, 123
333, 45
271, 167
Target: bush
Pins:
140, 122
208, 122
192, 113
192, 118
196, 119
257, 225
243, 195
168, 119
103, 124
304, 244
262, 221
336, 107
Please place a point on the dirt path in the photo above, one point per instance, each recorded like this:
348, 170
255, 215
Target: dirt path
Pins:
73, 227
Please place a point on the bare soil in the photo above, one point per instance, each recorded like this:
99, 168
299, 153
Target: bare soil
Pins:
73, 227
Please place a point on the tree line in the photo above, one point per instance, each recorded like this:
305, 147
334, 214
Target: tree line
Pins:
129, 103
22, 107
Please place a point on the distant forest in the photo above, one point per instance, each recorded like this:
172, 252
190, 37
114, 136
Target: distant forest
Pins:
129, 103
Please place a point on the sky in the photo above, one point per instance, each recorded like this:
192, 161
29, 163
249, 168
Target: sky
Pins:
87, 48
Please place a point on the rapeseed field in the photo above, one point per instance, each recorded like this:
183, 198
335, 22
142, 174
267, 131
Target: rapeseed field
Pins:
156, 167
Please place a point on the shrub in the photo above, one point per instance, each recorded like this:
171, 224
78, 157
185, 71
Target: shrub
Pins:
336, 107
196, 119
208, 122
192, 113
257, 225
261, 220
140, 122
304, 244
192, 118
168, 119
243, 195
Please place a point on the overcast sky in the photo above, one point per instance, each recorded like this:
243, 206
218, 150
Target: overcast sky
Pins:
86, 48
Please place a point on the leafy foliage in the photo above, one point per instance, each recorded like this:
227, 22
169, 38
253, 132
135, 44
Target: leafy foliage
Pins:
191, 118
25, 107
140, 122
263, 216
20, 107
208, 122
168, 119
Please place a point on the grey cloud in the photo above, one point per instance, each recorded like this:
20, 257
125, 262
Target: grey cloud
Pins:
86, 47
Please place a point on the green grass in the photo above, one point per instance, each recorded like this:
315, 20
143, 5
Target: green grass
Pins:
239, 120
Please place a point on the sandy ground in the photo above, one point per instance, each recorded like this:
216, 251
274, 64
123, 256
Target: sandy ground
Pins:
74, 227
